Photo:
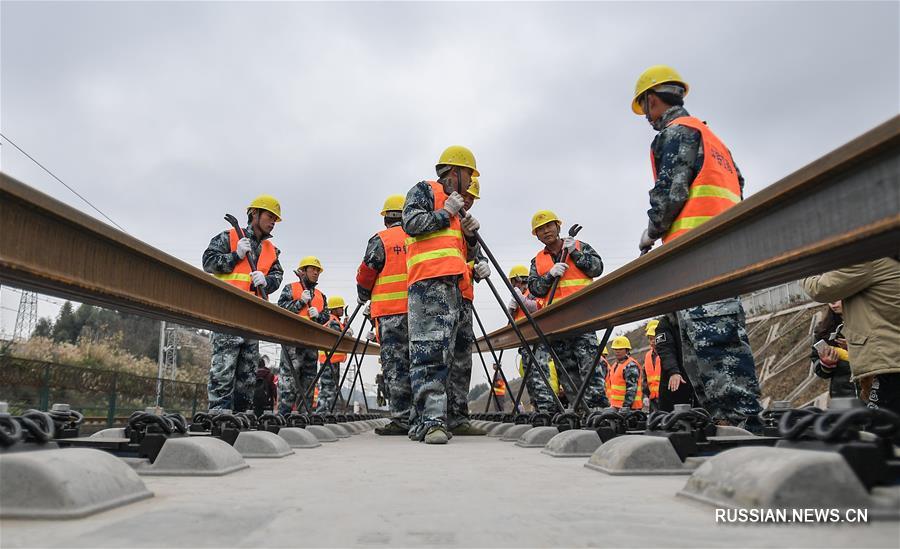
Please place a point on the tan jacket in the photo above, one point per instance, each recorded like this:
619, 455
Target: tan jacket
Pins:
871, 299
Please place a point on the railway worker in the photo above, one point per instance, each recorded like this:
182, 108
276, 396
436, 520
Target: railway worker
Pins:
623, 384
540, 394
328, 381
440, 244
582, 264
381, 280
232, 371
696, 178
297, 368
652, 367
499, 387
675, 386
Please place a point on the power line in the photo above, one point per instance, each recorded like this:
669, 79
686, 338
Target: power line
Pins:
86, 201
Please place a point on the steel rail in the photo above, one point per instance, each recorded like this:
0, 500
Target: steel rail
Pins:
841, 209
52, 248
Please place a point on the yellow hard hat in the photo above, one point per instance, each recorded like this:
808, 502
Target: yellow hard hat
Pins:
517, 271
266, 202
542, 217
336, 302
457, 155
393, 203
650, 330
652, 77
474, 188
310, 261
621, 342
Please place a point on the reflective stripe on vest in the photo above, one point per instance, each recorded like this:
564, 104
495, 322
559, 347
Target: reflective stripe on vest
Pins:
389, 295
571, 281
438, 253
318, 300
336, 357
500, 388
239, 277
652, 369
616, 386
715, 188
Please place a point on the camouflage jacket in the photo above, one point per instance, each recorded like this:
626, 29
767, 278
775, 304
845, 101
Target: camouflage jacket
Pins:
587, 259
678, 156
219, 259
419, 217
286, 301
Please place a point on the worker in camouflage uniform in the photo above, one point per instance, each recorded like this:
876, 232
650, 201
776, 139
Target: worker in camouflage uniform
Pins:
461, 373
541, 395
297, 369
381, 281
624, 379
696, 179
232, 371
440, 244
581, 266
328, 381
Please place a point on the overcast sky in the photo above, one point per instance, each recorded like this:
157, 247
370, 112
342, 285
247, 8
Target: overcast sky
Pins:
166, 116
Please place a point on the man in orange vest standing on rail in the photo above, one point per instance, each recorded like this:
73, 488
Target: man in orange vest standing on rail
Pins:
381, 280
652, 367
696, 179
439, 247
328, 381
582, 264
623, 383
232, 371
297, 369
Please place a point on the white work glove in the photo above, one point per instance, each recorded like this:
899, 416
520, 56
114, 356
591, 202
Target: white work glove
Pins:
454, 203
371, 335
305, 297
349, 332
558, 269
258, 278
367, 310
569, 244
482, 269
646, 243
243, 247
470, 225
530, 304
513, 305
313, 313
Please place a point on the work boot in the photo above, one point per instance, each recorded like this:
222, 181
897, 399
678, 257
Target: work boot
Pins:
466, 429
436, 435
394, 428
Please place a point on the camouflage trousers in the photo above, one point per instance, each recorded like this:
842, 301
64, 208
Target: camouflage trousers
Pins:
440, 352
232, 372
328, 383
541, 395
393, 335
718, 360
299, 361
578, 355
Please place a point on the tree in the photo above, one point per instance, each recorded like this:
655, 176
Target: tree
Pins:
66, 329
43, 328
478, 390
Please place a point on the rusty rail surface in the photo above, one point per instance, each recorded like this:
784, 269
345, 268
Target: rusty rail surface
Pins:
49, 247
841, 209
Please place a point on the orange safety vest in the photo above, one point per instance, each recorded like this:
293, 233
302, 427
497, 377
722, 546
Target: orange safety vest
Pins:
499, 387
540, 305
715, 188
571, 281
336, 358
239, 277
652, 369
318, 300
438, 253
466, 287
615, 385
316, 397
389, 295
